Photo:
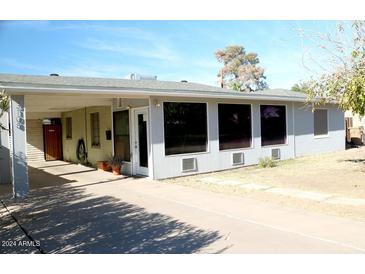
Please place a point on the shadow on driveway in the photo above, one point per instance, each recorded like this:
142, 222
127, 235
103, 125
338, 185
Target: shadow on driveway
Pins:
66, 220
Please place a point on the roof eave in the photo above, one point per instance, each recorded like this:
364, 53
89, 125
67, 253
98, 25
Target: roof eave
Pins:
15, 89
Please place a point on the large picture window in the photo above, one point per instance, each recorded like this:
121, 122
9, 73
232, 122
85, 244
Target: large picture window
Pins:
185, 127
273, 125
121, 134
320, 122
234, 126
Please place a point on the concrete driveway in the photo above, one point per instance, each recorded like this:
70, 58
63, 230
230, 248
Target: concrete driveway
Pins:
74, 209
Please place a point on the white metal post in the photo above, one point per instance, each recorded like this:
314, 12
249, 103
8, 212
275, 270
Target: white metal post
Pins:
19, 147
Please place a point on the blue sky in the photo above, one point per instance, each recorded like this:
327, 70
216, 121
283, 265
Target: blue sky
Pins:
172, 50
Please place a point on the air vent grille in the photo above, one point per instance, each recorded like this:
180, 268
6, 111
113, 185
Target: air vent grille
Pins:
275, 154
238, 158
189, 164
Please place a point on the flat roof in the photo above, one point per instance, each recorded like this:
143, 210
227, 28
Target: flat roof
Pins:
37, 84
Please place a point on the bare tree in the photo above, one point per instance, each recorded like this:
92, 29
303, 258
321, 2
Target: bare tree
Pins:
343, 72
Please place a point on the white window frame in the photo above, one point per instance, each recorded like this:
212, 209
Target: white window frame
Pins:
286, 123
252, 137
163, 128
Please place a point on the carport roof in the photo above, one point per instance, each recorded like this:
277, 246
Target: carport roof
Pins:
36, 84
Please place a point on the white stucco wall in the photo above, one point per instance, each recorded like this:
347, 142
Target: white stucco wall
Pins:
214, 159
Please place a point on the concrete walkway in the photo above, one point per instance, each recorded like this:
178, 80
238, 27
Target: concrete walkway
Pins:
73, 209
12, 235
290, 192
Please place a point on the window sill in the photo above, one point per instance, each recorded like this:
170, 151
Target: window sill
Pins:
321, 136
187, 154
95, 146
189, 171
236, 149
273, 146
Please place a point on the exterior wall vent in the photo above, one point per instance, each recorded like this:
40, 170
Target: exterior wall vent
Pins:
275, 154
189, 164
238, 158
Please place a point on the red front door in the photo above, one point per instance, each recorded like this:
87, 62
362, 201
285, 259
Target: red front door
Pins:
52, 142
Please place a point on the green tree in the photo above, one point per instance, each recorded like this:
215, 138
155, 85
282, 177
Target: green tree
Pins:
4, 106
240, 69
300, 87
345, 83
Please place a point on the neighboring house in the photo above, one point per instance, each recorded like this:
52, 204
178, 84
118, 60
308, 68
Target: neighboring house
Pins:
355, 125
163, 129
355, 119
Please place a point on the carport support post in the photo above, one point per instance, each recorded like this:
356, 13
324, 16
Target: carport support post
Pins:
19, 145
4, 150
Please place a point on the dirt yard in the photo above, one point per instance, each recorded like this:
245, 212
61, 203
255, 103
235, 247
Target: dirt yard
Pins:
340, 173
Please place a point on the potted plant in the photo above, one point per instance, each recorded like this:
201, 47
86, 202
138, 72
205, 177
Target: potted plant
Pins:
116, 163
104, 165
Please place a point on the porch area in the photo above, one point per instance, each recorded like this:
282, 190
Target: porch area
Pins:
48, 175
76, 128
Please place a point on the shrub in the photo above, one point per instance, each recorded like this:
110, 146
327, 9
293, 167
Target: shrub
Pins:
116, 161
266, 162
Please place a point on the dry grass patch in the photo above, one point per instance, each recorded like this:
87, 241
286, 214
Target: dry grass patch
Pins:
341, 173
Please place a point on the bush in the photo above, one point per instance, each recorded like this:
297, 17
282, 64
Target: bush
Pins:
266, 162
116, 161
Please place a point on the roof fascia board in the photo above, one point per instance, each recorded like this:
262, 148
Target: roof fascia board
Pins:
19, 89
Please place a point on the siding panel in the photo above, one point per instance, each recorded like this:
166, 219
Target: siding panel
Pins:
35, 140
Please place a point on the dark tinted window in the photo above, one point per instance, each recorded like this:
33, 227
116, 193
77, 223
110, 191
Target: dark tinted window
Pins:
68, 128
273, 125
95, 129
142, 141
185, 126
234, 126
121, 134
320, 122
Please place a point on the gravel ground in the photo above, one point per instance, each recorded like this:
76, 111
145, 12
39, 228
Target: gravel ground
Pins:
340, 173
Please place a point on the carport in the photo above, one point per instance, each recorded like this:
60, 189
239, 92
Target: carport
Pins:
39, 108
31, 118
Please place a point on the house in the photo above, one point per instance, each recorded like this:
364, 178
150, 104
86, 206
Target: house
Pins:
161, 129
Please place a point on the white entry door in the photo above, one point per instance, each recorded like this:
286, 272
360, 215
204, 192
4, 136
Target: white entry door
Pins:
141, 143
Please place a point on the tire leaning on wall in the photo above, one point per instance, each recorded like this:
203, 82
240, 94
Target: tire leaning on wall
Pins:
81, 152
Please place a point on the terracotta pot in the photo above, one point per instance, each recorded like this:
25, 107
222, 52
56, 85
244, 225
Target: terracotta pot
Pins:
116, 170
104, 165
